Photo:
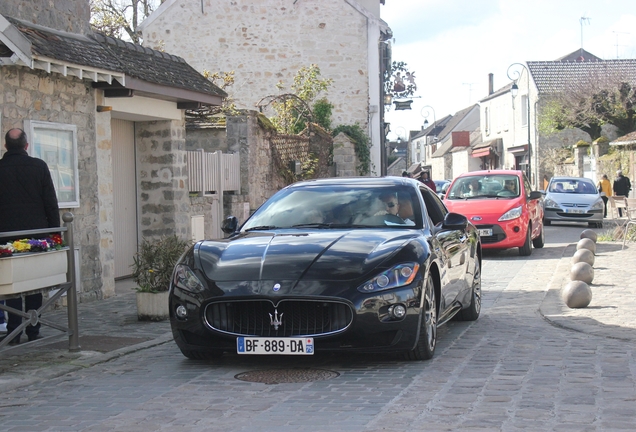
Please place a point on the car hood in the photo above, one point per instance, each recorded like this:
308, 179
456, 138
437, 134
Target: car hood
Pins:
300, 255
487, 209
572, 198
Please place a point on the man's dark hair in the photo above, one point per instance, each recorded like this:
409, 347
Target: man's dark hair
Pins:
17, 143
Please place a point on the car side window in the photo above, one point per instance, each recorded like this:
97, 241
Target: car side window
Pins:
434, 206
527, 186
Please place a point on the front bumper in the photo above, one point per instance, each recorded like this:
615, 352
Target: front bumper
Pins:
370, 328
507, 234
559, 215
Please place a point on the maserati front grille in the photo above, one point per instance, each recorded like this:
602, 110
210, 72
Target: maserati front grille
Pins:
295, 317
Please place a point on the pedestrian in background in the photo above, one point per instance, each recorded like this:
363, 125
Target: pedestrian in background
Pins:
605, 189
621, 187
426, 179
27, 201
546, 182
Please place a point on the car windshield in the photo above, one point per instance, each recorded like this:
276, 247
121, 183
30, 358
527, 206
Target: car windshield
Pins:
574, 186
485, 186
334, 206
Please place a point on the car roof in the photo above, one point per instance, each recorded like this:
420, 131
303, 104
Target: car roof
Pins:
569, 178
491, 172
358, 181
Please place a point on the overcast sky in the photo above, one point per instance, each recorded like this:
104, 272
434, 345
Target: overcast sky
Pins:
452, 45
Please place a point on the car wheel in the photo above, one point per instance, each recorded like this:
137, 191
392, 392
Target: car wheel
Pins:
595, 224
547, 222
471, 313
425, 347
540, 240
526, 249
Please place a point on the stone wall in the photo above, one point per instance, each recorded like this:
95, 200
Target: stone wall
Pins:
210, 139
344, 156
259, 180
268, 41
36, 95
163, 179
67, 15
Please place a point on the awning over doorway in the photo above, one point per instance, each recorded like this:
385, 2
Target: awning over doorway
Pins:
487, 148
518, 149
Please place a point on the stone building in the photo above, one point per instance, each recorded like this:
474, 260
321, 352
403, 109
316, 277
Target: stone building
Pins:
267, 41
108, 118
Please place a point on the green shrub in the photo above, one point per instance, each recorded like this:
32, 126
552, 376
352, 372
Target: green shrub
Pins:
155, 261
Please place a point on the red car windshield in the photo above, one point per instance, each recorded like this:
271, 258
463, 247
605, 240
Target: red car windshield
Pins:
485, 186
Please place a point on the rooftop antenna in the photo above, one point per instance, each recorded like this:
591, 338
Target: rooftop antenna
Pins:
617, 33
470, 91
583, 20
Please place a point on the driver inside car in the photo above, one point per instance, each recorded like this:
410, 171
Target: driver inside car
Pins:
390, 202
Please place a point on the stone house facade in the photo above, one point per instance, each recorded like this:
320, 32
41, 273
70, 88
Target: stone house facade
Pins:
267, 41
121, 113
453, 140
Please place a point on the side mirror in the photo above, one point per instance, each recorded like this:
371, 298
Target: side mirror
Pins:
535, 195
229, 225
455, 221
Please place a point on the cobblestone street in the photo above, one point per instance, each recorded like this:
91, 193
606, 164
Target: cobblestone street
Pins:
516, 368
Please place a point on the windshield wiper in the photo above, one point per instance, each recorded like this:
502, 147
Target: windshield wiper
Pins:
312, 225
262, 228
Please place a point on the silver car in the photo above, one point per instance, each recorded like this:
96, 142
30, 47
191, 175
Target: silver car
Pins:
573, 199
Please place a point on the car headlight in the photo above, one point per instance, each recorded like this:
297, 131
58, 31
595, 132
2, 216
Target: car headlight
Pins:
511, 214
550, 203
598, 205
185, 279
397, 276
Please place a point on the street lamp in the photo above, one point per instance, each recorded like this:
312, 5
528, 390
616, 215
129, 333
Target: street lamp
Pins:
514, 90
425, 112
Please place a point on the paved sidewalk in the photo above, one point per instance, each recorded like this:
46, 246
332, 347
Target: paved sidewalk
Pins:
109, 328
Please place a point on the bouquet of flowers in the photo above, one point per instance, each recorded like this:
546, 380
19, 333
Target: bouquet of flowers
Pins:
54, 242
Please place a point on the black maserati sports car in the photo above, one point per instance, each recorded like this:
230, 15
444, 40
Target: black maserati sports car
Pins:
341, 264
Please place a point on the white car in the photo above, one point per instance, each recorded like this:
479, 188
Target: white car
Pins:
573, 199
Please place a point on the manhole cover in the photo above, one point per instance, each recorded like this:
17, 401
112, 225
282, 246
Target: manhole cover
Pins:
283, 376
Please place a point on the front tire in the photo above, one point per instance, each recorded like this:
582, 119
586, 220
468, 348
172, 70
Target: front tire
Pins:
540, 240
526, 249
427, 341
471, 313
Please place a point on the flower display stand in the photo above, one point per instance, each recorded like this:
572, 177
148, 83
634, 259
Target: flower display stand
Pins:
28, 271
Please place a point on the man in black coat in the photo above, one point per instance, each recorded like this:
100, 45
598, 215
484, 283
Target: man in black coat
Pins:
27, 201
621, 187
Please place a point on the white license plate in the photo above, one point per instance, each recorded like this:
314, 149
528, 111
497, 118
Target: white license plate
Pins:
485, 232
578, 211
270, 345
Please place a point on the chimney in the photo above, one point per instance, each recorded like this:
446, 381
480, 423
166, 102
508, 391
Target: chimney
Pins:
490, 84
460, 139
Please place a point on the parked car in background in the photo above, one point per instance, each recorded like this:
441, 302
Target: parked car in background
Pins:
442, 187
573, 199
503, 206
359, 264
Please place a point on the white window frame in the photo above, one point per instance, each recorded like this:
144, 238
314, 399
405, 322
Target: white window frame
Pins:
524, 110
55, 157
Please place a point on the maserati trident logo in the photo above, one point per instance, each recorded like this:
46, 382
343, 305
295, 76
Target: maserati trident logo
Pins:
276, 320
276, 287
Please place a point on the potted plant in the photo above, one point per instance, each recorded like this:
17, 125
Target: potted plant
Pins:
152, 269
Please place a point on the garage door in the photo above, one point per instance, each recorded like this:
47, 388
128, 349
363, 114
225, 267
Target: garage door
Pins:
124, 196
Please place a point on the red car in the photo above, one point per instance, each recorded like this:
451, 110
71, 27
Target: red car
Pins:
503, 207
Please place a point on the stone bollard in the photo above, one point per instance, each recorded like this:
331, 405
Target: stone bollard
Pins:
576, 294
582, 271
588, 244
583, 255
588, 233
